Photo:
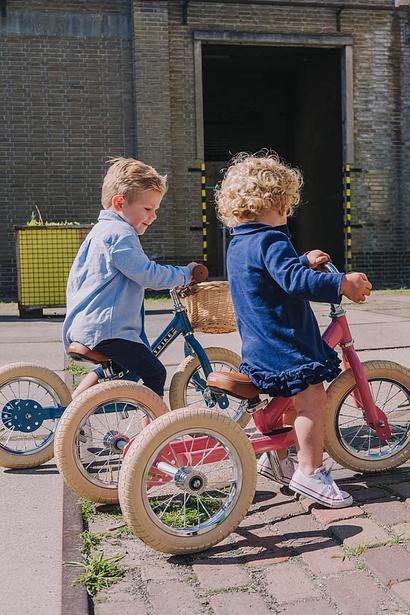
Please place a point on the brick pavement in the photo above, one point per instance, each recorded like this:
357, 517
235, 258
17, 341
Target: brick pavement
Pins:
288, 557
257, 547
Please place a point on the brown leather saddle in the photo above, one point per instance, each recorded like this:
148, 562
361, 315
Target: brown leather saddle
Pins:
234, 384
79, 352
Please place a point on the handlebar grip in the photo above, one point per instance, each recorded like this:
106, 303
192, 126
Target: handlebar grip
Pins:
330, 268
200, 273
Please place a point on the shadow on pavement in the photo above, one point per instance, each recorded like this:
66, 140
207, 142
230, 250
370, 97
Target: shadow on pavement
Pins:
11, 318
41, 470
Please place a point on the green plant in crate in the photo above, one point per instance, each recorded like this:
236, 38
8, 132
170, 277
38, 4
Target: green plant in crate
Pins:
37, 220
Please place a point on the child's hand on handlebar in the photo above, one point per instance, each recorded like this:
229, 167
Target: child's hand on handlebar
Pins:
356, 286
316, 258
192, 266
199, 272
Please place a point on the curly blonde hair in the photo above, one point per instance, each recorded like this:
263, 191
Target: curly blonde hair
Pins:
128, 177
253, 183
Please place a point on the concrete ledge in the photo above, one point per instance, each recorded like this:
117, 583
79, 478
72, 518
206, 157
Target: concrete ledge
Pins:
287, 40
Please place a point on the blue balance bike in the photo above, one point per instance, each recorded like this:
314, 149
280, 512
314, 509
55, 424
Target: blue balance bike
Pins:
34, 401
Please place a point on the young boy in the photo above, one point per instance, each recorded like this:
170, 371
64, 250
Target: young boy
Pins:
107, 281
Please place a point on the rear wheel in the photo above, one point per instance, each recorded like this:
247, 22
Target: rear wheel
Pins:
28, 394
188, 385
88, 440
188, 481
348, 438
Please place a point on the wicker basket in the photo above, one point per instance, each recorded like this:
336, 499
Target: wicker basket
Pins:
210, 308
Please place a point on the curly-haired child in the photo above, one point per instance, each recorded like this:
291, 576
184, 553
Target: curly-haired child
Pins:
283, 353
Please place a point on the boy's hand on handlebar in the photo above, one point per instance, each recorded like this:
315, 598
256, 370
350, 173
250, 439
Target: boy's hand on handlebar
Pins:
199, 272
356, 286
192, 266
316, 258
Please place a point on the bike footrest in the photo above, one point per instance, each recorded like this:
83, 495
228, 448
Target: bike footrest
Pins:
280, 430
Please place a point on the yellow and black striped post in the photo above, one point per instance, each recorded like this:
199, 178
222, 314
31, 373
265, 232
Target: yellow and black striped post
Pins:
347, 217
204, 221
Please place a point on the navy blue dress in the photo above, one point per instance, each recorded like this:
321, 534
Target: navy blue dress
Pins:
282, 349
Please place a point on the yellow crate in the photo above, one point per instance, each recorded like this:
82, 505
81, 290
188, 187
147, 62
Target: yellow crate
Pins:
44, 258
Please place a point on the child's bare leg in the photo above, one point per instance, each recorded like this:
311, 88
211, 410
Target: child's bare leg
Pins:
88, 381
310, 406
288, 418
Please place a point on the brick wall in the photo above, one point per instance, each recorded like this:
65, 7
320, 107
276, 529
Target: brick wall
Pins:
66, 83
69, 72
381, 40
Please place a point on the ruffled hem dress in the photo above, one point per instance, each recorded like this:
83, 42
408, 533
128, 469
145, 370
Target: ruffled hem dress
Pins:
282, 348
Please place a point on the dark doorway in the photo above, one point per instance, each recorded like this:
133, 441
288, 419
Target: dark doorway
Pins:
287, 99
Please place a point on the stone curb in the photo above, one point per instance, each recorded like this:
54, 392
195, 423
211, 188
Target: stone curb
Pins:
74, 598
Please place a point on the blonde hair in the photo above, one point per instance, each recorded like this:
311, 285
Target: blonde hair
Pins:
254, 182
128, 177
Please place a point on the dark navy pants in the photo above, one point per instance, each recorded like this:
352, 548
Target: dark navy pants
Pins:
136, 358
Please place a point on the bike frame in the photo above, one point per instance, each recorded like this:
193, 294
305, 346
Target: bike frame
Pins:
180, 324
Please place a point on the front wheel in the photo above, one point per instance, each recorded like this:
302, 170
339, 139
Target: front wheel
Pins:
187, 481
188, 385
91, 432
31, 397
348, 438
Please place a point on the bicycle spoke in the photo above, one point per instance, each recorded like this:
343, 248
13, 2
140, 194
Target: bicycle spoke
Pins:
356, 434
378, 391
390, 398
168, 505
205, 510
359, 410
11, 431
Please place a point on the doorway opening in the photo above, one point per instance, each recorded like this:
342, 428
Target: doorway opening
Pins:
287, 99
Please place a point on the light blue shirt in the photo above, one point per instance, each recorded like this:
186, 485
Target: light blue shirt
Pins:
107, 281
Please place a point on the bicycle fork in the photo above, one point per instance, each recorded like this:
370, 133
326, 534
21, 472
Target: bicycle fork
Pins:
338, 333
375, 417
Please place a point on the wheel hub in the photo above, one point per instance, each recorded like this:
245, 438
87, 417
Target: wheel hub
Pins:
111, 440
191, 481
25, 415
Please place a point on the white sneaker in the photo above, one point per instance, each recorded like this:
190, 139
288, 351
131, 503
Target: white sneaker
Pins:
280, 470
320, 487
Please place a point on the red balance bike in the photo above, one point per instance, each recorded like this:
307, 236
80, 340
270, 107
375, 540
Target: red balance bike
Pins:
188, 479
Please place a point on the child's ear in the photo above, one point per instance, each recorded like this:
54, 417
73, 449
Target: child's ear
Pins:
117, 202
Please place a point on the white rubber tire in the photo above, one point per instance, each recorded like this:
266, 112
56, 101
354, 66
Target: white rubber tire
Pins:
337, 391
65, 439
139, 454
51, 380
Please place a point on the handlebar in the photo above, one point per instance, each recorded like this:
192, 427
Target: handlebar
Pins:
330, 268
200, 273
